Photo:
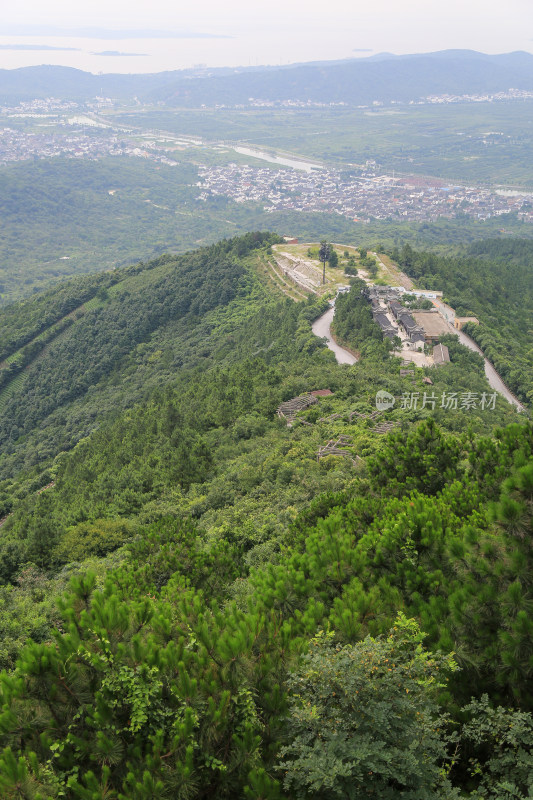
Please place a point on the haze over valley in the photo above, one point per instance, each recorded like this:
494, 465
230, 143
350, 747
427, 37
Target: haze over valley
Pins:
266, 382
388, 157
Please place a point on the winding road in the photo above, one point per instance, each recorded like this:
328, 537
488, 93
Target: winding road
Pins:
322, 328
492, 376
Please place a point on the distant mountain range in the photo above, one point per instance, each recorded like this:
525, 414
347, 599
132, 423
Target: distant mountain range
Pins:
362, 81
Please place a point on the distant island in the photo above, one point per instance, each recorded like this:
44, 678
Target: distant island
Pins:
117, 53
36, 47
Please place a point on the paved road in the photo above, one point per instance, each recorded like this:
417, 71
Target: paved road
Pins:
492, 376
321, 328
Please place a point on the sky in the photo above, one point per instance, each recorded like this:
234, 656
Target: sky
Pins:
247, 32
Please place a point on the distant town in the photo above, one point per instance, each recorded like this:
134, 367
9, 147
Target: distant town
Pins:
50, 128
68, 130
440, 99
371, 196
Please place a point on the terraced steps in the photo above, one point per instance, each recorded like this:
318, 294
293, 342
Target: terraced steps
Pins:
337, 447
290, 408
385, 427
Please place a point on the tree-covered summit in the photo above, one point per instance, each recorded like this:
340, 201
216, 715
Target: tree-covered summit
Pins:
198, 600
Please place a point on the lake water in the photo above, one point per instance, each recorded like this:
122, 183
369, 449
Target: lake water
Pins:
158, 55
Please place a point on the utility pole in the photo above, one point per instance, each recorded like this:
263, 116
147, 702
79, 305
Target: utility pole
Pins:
323, 254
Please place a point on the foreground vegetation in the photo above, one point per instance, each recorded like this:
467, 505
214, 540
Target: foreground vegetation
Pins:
187, 671
216, 612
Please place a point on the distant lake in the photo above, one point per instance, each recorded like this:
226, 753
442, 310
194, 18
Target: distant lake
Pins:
157, 55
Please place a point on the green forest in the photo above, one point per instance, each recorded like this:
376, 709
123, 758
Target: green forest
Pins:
197, 600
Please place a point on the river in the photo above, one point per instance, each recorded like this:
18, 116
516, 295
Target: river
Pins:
295, 163
322, 329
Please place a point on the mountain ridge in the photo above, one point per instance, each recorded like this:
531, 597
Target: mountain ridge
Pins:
189, 576
381, 78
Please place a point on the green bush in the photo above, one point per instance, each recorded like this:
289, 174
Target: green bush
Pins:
93, 539
364, 721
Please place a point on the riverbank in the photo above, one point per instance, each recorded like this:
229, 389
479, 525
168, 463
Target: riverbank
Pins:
282, 160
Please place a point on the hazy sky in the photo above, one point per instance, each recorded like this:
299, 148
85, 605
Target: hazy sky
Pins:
294, 28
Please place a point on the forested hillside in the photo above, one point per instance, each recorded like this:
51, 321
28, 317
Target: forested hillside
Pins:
218, 607
64, 218
169, 297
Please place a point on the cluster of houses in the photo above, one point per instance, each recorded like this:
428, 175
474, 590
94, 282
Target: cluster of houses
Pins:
386, 307
20, 145
405, 320
376, 296
360, 198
